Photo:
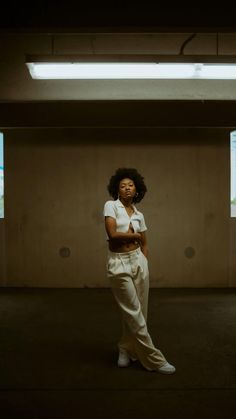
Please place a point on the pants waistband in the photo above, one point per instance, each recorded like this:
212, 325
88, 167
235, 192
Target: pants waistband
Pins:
125, 254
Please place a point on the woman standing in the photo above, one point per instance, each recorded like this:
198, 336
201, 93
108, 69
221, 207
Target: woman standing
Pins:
127, 269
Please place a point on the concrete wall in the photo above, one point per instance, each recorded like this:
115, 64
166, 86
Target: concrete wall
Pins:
55, 189
2, 253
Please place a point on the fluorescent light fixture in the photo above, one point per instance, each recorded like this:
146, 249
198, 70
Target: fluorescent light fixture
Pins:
80, 69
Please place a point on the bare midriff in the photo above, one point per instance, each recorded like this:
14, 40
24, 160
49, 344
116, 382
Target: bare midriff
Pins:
120, 246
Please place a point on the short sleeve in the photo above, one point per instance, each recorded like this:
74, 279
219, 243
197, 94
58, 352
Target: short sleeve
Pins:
109, 209
143, 226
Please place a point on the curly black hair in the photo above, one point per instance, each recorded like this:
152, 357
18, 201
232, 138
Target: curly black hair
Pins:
122, 173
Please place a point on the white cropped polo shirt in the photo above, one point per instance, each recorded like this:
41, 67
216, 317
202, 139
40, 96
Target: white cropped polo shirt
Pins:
116, 209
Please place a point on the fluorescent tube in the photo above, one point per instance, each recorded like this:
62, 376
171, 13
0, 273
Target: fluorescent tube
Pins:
135, 70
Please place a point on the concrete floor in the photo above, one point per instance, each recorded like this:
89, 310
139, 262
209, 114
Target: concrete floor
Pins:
58, 356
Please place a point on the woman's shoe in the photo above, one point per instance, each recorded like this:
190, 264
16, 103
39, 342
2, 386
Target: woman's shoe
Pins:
123, 359
166, 369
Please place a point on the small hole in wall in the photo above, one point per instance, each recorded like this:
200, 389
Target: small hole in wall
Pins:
189, 252
64, 252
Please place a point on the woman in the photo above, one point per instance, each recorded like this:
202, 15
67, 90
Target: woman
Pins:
127, 269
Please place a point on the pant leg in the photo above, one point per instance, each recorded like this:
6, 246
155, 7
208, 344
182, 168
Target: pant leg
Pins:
141, 283
128, 275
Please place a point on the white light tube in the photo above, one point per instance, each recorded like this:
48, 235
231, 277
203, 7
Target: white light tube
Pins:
131, 71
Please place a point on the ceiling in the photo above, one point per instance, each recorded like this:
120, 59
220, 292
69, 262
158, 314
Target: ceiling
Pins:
119, 15
124, 28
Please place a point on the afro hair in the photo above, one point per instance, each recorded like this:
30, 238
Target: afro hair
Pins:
123, 173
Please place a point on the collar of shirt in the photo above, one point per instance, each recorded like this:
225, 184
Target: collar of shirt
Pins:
119, 204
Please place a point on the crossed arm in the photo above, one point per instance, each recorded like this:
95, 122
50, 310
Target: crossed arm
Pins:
129, 236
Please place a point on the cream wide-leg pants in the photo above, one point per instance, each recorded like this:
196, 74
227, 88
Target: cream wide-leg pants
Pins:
129, 278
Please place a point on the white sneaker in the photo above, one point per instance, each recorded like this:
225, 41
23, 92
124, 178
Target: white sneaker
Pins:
166, 369
123, 359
